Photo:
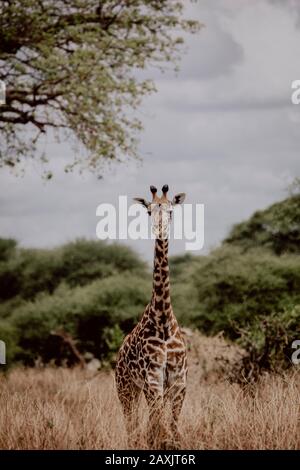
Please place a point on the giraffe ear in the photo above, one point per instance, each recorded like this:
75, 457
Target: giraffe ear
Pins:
178, 199
142, 201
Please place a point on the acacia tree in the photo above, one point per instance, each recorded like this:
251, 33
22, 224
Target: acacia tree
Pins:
70, 65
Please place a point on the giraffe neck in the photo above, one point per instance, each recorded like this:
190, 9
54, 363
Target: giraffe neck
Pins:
161, 300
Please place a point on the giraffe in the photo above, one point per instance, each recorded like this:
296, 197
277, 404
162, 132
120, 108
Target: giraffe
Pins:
152, 358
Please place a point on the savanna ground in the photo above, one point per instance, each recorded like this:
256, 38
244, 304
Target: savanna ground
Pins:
60, 408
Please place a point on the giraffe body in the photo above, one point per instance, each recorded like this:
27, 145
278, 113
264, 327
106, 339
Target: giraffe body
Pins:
152, 359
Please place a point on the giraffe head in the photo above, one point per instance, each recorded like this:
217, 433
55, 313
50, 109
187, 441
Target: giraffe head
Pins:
160, 209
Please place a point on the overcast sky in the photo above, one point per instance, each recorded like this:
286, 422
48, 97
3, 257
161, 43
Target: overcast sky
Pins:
224, 131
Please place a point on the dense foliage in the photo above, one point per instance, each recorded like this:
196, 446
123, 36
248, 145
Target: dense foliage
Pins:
91, 290
26, 272
252, 297
71, 66
276, 228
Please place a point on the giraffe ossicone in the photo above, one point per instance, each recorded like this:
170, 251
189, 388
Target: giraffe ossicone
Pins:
152, 358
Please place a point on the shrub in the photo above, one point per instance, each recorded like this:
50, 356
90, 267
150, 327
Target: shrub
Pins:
89, 314
268, 344
276, 228
27, 272
84, 261
7, 248
235, 288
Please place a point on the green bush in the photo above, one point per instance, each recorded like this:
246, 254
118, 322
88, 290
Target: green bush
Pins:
84, 261
7, 248
268, 344
276, 228
27, 272
89, 314
10, 280
235, 288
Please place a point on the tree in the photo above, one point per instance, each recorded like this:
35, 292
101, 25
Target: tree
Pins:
70, 66
276, 228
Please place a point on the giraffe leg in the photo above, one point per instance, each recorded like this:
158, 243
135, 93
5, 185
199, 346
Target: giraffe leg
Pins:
176, 406
173, 401
128, 394
156, 432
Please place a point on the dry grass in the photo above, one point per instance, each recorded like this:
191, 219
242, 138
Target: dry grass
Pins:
74, 409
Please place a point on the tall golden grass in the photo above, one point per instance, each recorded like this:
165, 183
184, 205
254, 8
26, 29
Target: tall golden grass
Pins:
60, 408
